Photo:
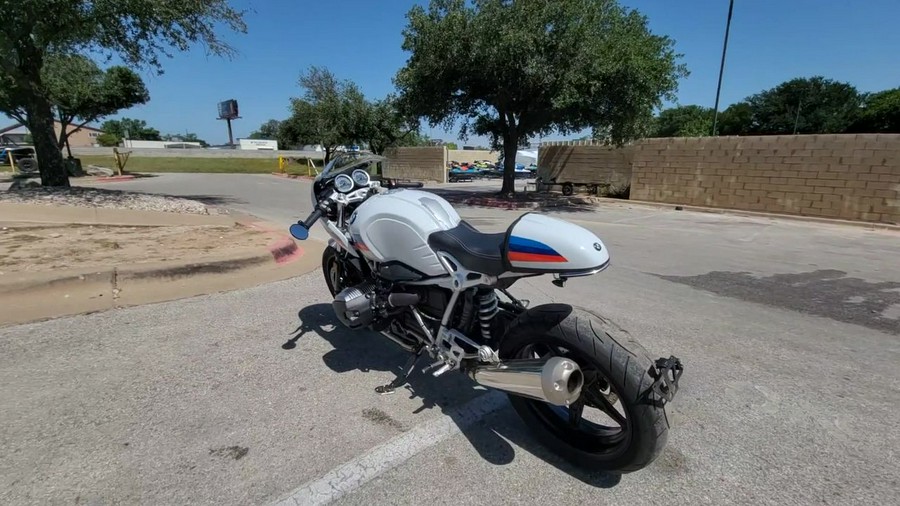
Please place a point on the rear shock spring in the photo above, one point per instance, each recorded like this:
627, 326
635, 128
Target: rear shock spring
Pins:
487, 309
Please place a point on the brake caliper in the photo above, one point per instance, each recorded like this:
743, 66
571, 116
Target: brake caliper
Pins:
666, 372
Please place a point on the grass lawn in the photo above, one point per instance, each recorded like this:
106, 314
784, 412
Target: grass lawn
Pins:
219, 165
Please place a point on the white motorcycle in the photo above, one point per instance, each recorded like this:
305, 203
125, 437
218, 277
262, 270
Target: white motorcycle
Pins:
401, 262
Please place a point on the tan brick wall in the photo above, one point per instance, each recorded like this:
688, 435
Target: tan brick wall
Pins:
584, 164
854, 177
417, 164
471, 155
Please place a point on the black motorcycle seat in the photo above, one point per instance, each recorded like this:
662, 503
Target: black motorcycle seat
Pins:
476, 251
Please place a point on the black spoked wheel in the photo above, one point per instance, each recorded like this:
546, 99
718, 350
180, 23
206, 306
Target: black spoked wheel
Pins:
618, 423
337, 275
597, 421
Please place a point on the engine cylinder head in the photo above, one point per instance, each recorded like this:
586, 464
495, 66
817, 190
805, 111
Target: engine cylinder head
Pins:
353, 305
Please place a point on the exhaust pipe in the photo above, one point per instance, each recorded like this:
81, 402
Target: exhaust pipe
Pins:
555, 380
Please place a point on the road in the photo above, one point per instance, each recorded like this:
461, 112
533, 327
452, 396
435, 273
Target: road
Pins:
789, 332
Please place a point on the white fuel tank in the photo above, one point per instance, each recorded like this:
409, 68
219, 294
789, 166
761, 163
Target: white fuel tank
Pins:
393, 227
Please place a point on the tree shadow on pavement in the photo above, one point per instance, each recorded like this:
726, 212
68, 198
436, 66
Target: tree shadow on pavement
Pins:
522, 202
490, 436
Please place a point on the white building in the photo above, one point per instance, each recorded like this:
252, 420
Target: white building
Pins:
258, 144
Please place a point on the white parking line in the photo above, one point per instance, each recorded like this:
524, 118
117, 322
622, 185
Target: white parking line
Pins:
354, 474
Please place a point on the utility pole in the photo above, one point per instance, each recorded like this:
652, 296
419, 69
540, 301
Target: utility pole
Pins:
797, 117
722, 66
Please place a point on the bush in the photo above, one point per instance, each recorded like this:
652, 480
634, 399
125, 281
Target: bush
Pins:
107, 140
619, 191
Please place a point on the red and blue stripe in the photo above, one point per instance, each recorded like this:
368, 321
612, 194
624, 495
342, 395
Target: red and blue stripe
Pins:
529, 250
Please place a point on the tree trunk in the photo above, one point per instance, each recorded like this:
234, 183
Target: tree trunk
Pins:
510, 150
46, 144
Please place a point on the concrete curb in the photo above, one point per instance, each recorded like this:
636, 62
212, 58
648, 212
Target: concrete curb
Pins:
755, 214
53, 294
113, 179
293, 176
74, 215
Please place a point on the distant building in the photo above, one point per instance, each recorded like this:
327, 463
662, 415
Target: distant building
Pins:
84, 137
133, 143
258, 144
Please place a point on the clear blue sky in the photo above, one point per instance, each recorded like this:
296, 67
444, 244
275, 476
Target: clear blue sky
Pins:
771, 41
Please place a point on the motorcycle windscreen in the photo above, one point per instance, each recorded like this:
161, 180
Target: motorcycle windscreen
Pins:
538, 243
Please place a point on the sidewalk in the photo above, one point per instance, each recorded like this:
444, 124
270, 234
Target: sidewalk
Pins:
63, 260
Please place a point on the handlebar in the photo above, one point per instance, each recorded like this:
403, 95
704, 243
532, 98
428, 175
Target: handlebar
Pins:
391, 183
312, 219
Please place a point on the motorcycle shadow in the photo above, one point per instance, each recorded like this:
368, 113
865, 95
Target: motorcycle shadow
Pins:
490, 436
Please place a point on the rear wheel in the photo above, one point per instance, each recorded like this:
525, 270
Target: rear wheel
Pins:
619, 423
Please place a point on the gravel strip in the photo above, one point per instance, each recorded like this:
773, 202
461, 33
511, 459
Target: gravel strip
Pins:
112, 199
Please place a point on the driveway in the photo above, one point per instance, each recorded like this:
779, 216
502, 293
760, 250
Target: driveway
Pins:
788, 331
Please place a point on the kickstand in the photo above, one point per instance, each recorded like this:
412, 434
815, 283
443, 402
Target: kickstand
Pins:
400, 380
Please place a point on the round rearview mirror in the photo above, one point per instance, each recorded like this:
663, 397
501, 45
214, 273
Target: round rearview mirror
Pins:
299, 231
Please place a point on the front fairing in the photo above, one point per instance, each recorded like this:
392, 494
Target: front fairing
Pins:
344, 163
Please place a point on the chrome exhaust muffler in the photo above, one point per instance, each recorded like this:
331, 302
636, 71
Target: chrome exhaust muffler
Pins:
555, 380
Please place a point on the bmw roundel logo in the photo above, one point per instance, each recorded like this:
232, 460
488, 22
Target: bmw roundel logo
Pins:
598, 246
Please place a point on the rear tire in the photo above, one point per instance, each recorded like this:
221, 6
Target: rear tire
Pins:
615, 366
568, 189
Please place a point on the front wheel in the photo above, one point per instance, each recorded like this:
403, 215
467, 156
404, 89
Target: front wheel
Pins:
619, 423
339, 274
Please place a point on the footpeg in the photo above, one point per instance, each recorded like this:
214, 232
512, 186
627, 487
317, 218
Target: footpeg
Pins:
666, 372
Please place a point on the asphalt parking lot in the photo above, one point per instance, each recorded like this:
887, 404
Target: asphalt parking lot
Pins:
788, 331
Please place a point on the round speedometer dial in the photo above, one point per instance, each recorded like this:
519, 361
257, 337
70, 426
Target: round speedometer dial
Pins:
343, 183
361, 177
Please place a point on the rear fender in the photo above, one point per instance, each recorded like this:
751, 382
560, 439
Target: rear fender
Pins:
537, 320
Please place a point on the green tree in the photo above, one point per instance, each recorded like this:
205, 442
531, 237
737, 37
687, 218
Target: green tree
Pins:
451, 145
136, 129
513, 70
83, 93
328, 114
108, 140
137, 31
880, 113
185, 137
268, 130
825, 106
385, 125
684, 121
413, 139
737, 119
